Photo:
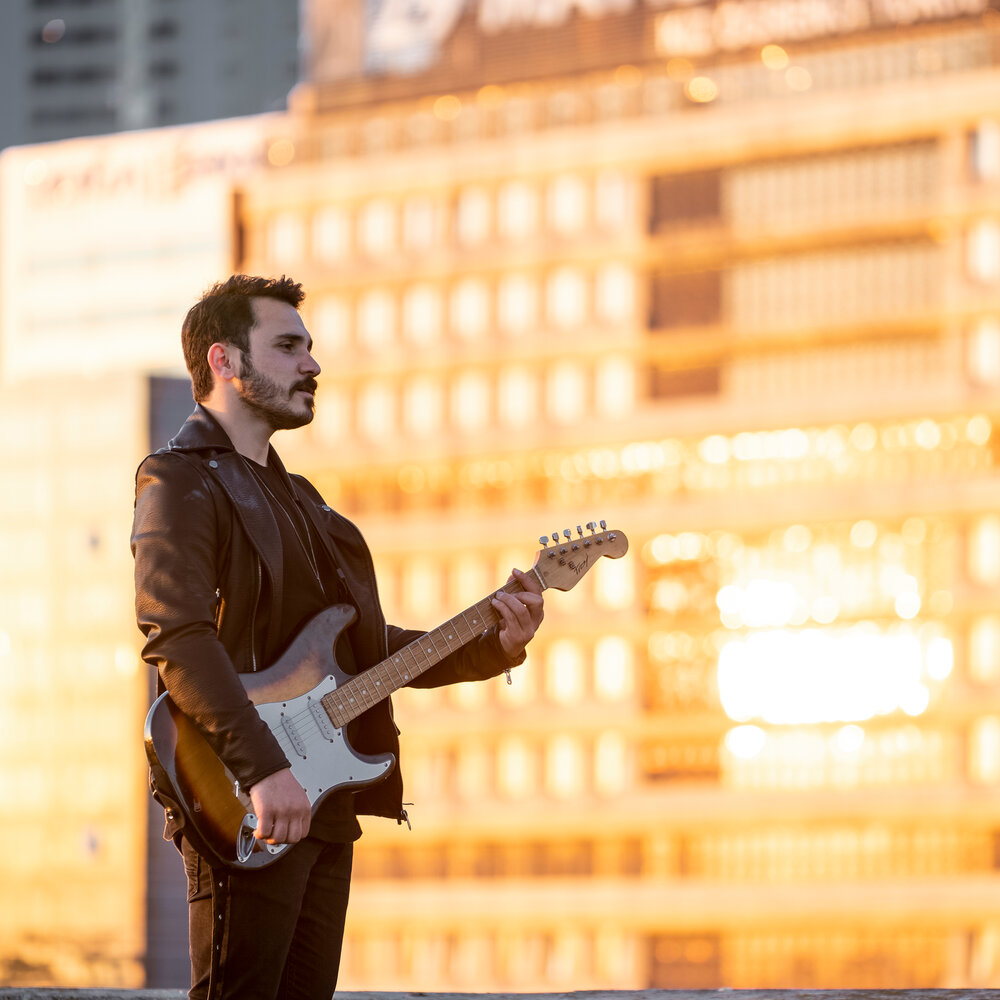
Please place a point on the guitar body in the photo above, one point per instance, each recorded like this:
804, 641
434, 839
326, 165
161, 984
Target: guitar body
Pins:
218, 813
308, 702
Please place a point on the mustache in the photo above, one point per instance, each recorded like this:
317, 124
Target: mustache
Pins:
308, 385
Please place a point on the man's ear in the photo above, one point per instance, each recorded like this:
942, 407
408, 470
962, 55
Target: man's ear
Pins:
223, 359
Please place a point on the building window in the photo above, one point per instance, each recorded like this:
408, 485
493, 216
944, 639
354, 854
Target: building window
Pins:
678, 300
470, 580
984, 750
614, 200
614, 587
285, 239
566, 297
422, 407
983, 352
470, 308
685, 198
516, 777
377, 228
517, 397
614, 294
614, 387
566, 392
517, 304
614, 668
517, 210
333, 415
422, 587
376, 319
984, 151
420, 230
984, 550
332, 320
422, 314
332, 233
377, 411
984, 649
470, 403
564, 672
983, 252
564, 767
566, 204
473, 216
473, 771
611, 769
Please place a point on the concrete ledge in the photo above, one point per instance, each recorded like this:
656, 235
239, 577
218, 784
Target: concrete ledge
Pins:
722, 994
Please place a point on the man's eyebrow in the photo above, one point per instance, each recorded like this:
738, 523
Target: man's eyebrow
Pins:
297, 337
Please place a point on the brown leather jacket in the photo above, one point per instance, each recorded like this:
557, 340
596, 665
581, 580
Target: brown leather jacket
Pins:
204, 538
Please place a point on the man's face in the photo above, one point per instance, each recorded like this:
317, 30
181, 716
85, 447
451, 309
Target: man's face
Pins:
278, 374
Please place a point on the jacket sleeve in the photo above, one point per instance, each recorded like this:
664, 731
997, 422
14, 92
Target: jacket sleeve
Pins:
477, 660
176, 546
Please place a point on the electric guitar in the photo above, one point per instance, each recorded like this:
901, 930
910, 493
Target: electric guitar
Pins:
307, 702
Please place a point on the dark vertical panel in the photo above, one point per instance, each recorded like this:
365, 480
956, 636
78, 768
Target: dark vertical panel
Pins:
167, 964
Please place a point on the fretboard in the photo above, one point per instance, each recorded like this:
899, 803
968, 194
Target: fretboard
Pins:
366, 690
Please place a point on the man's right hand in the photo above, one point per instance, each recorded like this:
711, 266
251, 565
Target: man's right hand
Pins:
282, 808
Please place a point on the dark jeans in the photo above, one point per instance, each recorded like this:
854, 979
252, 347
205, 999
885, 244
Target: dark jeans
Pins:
273, 933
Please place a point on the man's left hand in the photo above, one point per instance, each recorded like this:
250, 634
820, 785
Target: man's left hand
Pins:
520, 614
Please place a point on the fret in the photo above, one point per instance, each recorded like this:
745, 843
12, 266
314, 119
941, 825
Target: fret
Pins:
367, 689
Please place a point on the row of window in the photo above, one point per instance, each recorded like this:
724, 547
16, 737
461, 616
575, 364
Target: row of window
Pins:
515, 396
470, 309
512, 211
765, 854
518, 959
632, 92
561, 767
612, 957
563, 671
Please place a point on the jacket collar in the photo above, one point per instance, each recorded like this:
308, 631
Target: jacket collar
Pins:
199, 432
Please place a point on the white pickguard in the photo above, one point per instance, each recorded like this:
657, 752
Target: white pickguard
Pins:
322, 760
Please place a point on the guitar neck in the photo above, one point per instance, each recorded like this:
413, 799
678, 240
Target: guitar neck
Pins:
368, 688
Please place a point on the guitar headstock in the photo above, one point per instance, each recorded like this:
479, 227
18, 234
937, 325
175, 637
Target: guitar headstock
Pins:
561, 564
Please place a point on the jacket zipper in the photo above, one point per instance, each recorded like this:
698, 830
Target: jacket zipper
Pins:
253, 619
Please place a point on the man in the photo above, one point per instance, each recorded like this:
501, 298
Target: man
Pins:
232, 557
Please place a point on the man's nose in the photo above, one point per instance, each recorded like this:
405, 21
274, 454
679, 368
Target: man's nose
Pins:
310, 366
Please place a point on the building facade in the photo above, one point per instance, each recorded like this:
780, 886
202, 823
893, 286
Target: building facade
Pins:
725, 276
104, 244
88, 67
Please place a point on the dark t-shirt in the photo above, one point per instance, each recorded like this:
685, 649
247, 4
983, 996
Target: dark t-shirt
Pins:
308, 581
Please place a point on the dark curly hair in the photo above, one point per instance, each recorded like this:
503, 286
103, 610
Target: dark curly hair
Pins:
224, 315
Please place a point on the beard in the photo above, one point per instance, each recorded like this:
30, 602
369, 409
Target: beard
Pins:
270, 401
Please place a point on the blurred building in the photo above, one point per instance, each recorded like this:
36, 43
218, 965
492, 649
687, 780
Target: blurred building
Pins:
727, 276
86, 67
104, 244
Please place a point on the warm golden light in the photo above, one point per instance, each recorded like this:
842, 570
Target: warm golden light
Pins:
701, 89
281, 152
774, 57
447, 108
844, 674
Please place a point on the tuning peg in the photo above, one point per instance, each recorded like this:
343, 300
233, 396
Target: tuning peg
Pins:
604, 525
579, 531
544, 541
591, 527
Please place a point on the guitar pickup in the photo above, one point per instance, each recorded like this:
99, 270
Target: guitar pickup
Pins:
322, 720
293, 736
